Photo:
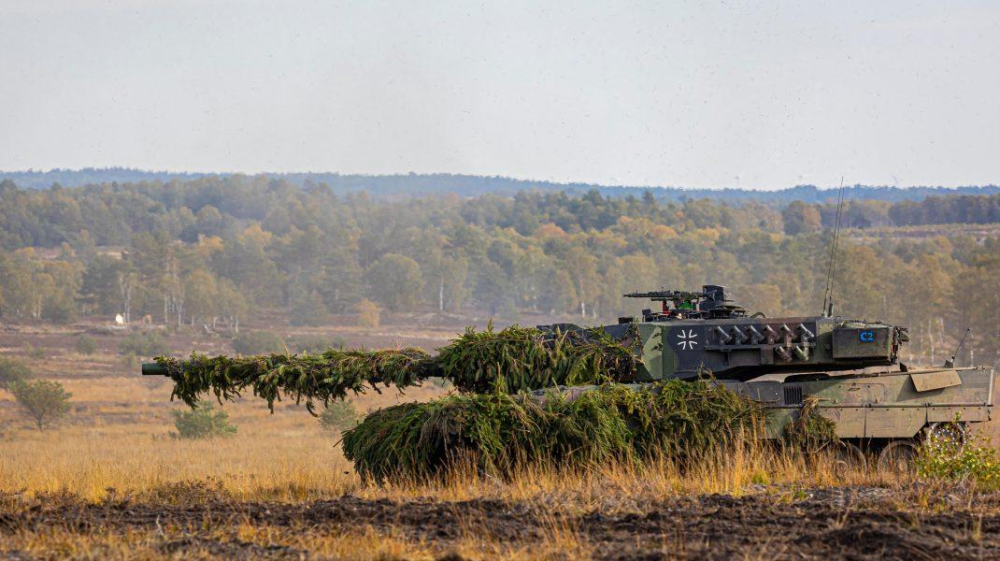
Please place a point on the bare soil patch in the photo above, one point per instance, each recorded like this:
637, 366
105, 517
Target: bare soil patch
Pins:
822, 524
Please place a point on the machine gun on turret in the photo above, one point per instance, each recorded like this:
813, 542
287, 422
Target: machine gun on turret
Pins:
710, 303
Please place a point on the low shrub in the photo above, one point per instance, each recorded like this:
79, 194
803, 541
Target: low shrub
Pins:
36, 353
338, 416
258, 343
203, 421
144, 344
953, 460
368, 314
44, 401
86, 345
12, 371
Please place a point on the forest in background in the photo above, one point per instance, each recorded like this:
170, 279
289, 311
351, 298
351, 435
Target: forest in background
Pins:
216, 250
416, 184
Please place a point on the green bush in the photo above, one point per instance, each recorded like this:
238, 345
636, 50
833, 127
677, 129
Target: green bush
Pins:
314, 344
339, 416
86, 345
42, 400
12, 371
952, 460
368, 313
36, 353
202, 422
144, 344
258, 343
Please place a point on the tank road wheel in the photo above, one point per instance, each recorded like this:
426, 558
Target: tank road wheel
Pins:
848, 458
898, 458
948, 434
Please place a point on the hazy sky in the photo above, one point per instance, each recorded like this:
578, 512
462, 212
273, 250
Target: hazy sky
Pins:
642, 93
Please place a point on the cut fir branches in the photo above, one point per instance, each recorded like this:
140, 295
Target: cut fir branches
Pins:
517, 358
325, 377
509, 360
498, 432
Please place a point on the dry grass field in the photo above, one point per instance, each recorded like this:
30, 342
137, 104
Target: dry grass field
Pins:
110, 482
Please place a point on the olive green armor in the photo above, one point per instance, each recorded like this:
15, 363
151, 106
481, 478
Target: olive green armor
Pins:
849, 368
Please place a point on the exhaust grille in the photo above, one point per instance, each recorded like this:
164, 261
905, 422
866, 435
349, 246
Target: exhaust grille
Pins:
793, 395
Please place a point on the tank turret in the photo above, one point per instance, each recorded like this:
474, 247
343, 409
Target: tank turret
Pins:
698, 332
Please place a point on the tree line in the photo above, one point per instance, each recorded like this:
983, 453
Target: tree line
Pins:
216, 250
420, 184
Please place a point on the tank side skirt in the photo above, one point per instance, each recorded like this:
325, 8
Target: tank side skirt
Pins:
883, 417
882, 405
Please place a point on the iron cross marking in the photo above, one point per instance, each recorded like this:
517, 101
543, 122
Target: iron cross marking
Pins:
687, 339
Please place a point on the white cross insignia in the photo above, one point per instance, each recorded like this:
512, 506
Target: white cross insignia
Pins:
687, 339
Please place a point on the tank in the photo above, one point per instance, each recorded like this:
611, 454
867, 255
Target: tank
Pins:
848, 369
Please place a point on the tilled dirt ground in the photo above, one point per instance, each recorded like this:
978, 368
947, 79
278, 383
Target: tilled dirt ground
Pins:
819, 524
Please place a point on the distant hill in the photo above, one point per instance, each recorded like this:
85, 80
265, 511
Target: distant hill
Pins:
473, 185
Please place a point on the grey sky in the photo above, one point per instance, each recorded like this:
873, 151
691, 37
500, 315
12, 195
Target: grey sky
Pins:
651, 93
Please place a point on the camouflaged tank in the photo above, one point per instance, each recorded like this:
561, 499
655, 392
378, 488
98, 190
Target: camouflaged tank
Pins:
848, 369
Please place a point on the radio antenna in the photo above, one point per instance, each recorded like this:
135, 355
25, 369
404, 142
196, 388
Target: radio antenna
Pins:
831, 272
950, 363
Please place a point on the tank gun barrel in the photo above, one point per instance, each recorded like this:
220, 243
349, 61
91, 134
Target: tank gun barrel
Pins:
666, 295
153, 369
